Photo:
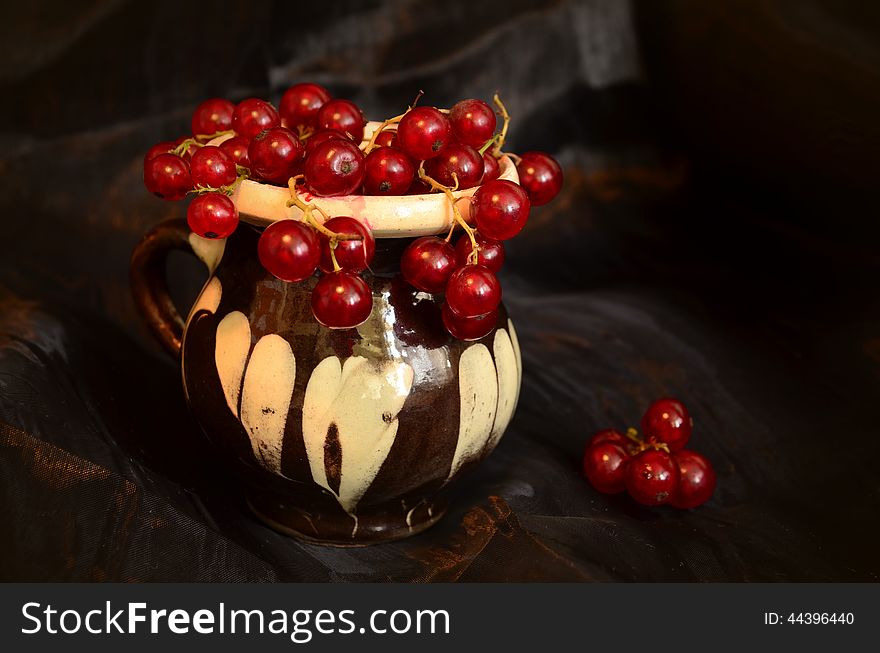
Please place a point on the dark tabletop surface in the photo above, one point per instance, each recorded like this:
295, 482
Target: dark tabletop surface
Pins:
716, 240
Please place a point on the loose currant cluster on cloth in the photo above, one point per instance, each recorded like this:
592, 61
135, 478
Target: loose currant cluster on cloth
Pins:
314, 145
655, 469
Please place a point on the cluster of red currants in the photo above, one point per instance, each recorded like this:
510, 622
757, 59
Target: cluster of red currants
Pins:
655, 469
317, 142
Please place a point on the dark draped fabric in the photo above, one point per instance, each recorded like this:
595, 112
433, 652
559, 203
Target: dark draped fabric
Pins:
714, 241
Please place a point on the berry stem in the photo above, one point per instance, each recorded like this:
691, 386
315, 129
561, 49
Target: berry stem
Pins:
310, 219
243, 173
183, 148
457, 217
336, 266
502, 135
211, 137
197, 141
381, 128
633, 435
487, 145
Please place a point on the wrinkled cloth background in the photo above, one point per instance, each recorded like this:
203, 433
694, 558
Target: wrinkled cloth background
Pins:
716, 240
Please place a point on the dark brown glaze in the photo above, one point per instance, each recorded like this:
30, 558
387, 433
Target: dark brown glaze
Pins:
149, 287
406, 494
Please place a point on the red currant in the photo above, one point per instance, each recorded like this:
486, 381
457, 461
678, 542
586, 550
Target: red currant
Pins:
275, 154
540, 175
468, 328
300, 104
423, 133
427, 263
352, 255
322, 137
462, 161
386, 138
652, 477
610, 435
236, 148
211, 167
605, 466
336, 167
212, 215
697, 480
290, 250
167, 175
212, 116
500, 209
344, 116
341, 300
164, 147
667, 420
387, 171
491, 252
472, 291
473, 122
491, 169
252, 116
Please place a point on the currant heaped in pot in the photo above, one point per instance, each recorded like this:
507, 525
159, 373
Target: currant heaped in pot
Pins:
347, 357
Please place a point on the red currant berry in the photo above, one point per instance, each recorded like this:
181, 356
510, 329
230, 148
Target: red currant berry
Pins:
341, 300
212, 215
610, 435
423, 133
252, 116
667, 420
289, 249
300, 104
491, 252
275, 154
386, 138
427, 263
211, 167
605, 467
462, 161
540, 175
652, 477
387, 171
335, 167
473, 290
167, 175
212, 116
473, 122
352, 255
500, 209
697, 480
344, 116
322, 137
468, 328
236, 148
491, 169
164, 147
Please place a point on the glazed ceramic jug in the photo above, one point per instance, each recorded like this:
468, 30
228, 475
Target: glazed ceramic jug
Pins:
345, 436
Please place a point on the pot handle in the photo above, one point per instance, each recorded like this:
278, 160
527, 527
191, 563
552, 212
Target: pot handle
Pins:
149, 286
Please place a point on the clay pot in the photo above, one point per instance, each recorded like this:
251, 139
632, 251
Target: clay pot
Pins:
344, 436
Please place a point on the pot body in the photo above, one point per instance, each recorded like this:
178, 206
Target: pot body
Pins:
342, 436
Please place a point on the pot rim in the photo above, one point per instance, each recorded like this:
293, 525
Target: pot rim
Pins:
401, 216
